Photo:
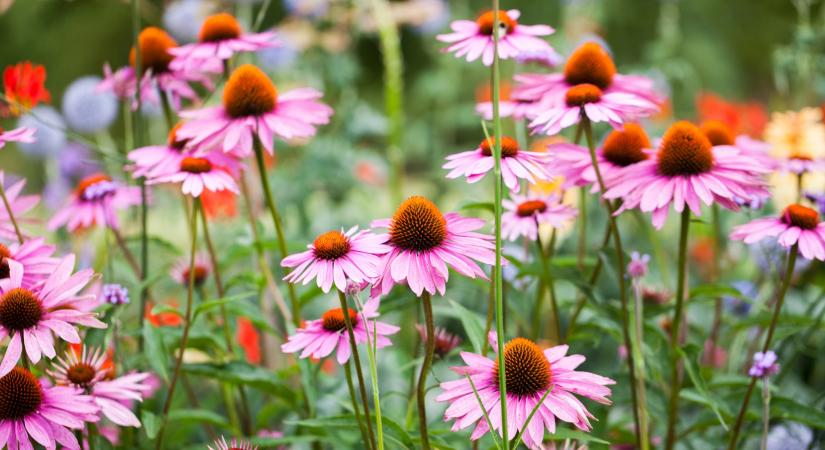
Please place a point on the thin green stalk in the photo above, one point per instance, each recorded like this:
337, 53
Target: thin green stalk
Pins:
356, 360
620, 271
11, 213
276, 219
167, 109
187, 323
550, 282
496, 439
582, 219
372, 349
491, 306
597, 270
356, 410
638, 355
425, 369
675, 332
496, 88
393, 93
786, 282
766, 412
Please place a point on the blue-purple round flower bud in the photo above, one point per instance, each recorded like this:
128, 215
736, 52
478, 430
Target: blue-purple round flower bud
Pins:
51, 131
86, 110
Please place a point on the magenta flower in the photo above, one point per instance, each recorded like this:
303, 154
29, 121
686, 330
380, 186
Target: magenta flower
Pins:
474, 39
95, 202
797, 225
530, 374
515, 163
36, 312
252, 108
220, 38
156, 160
33, 255
319, 338
524, 214
425, 243
637, 267
23, 134
338, 258
94, 373
621, 148
688, 171
46, 415
208, 171
20, 205
764, 364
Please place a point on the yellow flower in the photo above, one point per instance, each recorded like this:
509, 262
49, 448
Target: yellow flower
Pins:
796, 134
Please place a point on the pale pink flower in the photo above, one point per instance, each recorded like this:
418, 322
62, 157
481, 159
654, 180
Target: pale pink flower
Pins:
20, 205
95, 202
797, 225
23, 134
234, 444
34, 255
524, 214
156, 160
515, 163
196, 173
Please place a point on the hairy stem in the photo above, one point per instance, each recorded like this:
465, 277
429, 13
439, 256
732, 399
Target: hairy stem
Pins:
356, 360
425, 369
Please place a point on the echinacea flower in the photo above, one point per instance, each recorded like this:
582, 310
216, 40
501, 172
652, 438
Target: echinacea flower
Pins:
515, 163
201, 172
155, 160
621, 148
180, 272
764, 364
22, 134
319, 338
252, 109
34, 313
797, 225
20, 205
34, 255
338, 257
91, 371
220, 37
95, 201
29, 411
425, 243
524, 214
589, 85
687, 171
508, 106
530, 373
474, 39
24, 85
445, 341
637, 267
234, 444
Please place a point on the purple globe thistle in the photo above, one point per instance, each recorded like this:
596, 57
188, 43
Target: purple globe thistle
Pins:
87, 109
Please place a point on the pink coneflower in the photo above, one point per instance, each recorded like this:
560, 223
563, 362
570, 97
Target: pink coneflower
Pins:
530, 374
425, 243
719, 133
474, 39
220, 37
688, 171
338, 258
156, 160
34, 313
157, 75
524, 214
445, 341
23, 134
797, 225
34, 255
234, 444
252, 108
515, 108
515, 163
29, 411
202, 267
95, 202
319, 338
621, 148
94, 373
205, 172
20, 205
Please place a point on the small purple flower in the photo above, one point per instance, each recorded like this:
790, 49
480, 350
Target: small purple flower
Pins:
764, 364
115, 294
354, 287
637, 267
99, 190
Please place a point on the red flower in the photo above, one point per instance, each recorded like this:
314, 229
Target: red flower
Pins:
219, 204
249, 340
163, 319
743, 118
24, 85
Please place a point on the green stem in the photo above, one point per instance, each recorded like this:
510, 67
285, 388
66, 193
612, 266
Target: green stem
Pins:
582, 244
187, 323
11, 213
638, 310
620, 272
597, 270
425, 369
766, 413
167, 109
371, 356
786, 282
356, 410
499, 284
550, 283
675, 332
276, 220
356, 360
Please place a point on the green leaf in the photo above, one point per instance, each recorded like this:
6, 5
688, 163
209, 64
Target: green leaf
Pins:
198, 416
150, 422
154, 350
485, 206
701, 388
562, 434
472, 325
240, 372
212, 304
790, 409
714, 291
